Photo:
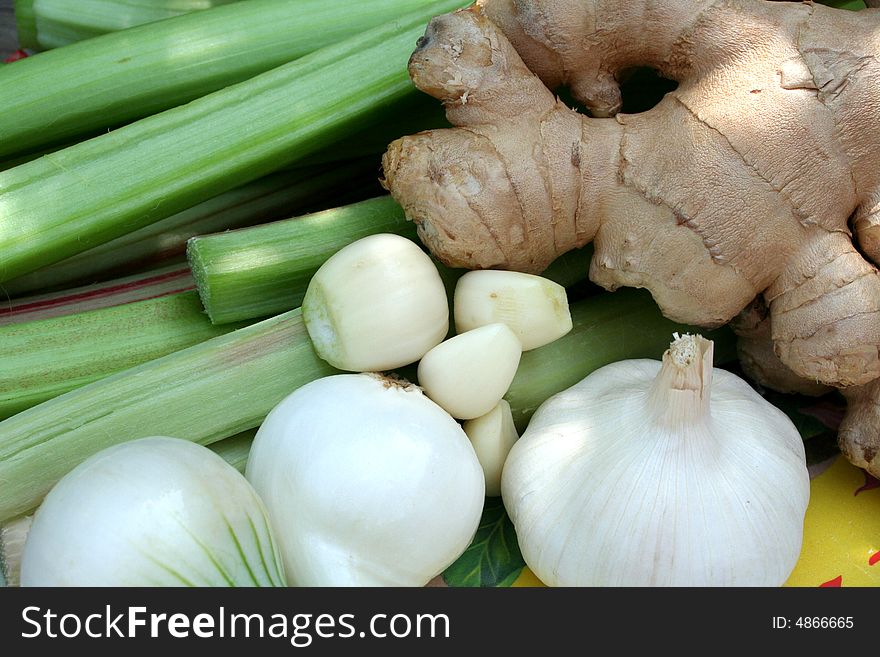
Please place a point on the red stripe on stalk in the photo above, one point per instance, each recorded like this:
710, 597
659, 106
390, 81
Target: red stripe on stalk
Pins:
14, 57
99, 293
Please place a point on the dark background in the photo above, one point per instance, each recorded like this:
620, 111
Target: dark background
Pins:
8, 40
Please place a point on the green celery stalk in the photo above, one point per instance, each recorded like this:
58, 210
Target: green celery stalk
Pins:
852, 5
122, 76
95, 191
416, 113
229, 384
18, 160
269, 198
569, 269
46, 358
26, 24
607, 328
235, 449
44, 24
158, 282
264, 270
259, 271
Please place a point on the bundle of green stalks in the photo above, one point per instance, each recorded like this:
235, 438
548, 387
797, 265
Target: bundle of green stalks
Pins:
272, 197
76, 198
110, 80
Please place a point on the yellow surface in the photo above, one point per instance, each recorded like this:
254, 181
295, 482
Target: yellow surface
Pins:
527, 578
841, 532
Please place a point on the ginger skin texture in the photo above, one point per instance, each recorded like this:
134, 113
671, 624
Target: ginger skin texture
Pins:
744, 181
754, 350
858, 437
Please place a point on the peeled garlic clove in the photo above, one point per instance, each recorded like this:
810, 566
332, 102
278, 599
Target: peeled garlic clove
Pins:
492, 436
650, 474
367, 482
468, 374
376, 304
535, 308
152, 512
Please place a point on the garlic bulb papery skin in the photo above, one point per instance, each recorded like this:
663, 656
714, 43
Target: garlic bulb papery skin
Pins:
367, 482
376, 304
492, 436
535, 308
152, 512
468, 374
646, 474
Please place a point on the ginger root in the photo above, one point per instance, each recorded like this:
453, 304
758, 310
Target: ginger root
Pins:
858, 437
754, 350
741, 182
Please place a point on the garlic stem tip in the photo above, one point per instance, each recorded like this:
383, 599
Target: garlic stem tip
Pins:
683, 349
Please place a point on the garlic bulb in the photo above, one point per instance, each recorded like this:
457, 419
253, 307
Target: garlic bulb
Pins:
367, 481
376, 304
535, 308
646, 474
152, 512
468, 374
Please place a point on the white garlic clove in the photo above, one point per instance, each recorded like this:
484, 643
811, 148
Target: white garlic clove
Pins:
468, 374
535, 308
492, 436
376, 304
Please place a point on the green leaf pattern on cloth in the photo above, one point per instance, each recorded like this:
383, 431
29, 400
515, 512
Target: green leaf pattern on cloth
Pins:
493, 559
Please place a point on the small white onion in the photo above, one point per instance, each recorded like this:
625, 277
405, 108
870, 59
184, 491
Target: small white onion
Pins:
493, 436
367, 482
468, 375
152, 512
377, 304
535, 308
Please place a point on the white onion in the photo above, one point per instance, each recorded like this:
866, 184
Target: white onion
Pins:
367, 482
152, 512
